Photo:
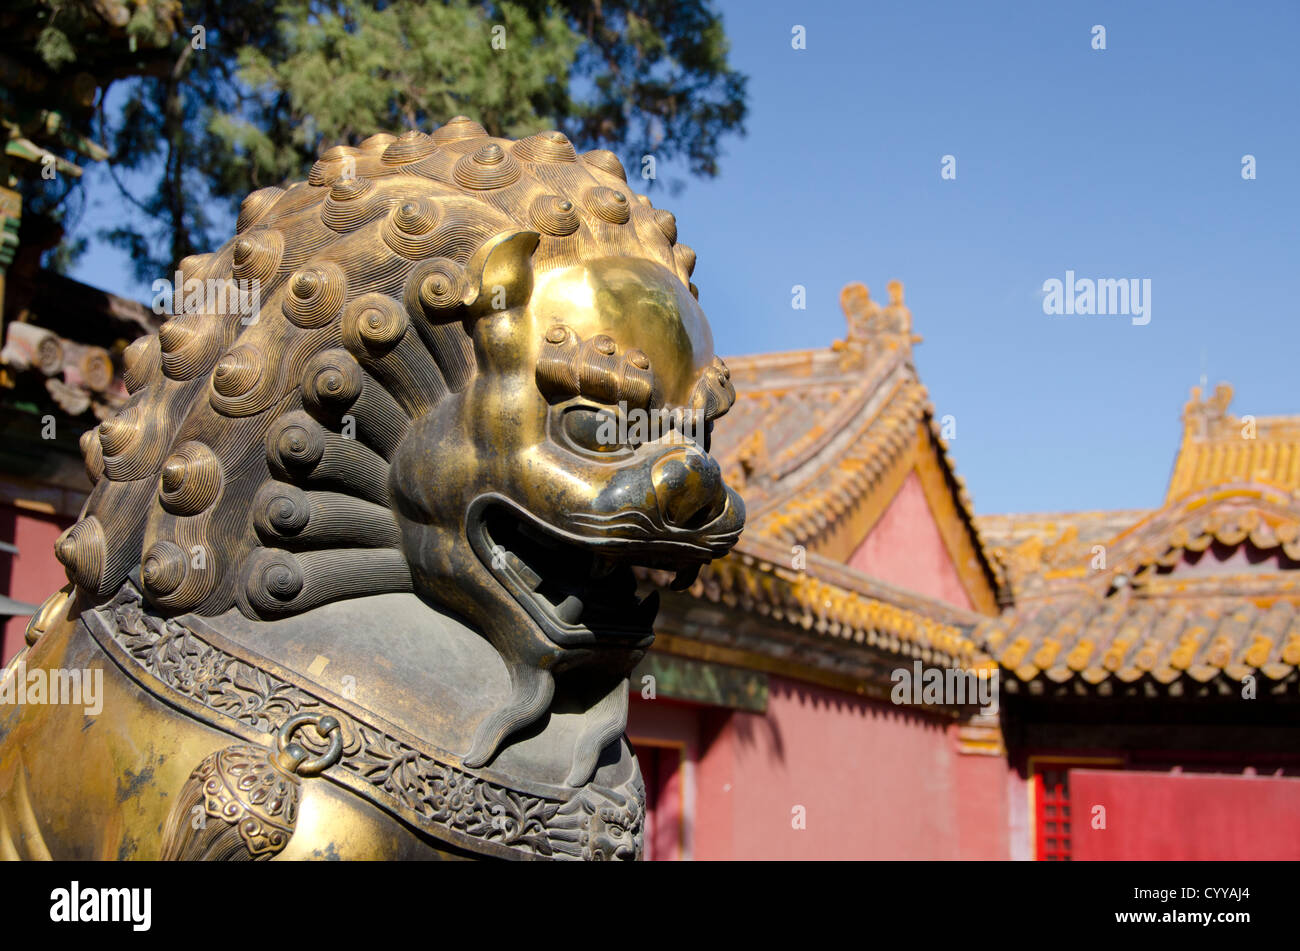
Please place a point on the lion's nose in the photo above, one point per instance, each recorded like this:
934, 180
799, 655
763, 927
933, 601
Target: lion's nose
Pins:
688, 487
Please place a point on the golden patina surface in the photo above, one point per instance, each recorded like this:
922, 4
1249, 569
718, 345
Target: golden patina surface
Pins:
357, 572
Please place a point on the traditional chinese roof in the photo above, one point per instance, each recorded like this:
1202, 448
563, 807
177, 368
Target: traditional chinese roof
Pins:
836, 602
819, 443
1191, 598
61, 358
67, 338
824, 623
1035, 552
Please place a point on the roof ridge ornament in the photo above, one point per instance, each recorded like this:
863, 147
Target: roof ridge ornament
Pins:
872, 328
1203, 418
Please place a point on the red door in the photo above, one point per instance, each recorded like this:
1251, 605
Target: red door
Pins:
1121, 814
661, 767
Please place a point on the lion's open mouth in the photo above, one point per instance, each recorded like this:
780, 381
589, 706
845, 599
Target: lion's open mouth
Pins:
578, 593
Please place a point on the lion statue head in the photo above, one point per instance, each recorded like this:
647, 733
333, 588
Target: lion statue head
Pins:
477, 371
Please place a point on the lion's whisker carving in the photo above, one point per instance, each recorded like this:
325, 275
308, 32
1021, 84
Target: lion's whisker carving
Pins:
531, 690
624, 519
392, 519
605, 724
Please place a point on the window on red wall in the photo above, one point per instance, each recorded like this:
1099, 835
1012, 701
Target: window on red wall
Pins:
1053, 823
1055, 834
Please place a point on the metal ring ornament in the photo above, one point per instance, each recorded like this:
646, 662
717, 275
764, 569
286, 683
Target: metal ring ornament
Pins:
327, 727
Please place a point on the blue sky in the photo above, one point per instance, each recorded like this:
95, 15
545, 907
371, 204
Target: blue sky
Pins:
1122, 163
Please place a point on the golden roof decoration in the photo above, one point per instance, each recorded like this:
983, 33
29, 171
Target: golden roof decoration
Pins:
872, 326
1219, 447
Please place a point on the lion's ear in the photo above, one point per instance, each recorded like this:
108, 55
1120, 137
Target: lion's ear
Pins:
501, 272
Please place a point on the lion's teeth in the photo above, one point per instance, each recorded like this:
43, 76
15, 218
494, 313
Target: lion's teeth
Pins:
569, 610
530, 578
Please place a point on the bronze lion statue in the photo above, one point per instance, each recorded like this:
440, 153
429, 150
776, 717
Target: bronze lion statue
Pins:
357, 569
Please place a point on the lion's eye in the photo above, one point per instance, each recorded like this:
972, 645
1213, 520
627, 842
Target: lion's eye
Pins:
596, 430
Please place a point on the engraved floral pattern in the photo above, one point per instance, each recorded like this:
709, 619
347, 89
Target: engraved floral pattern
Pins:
438, 793
171, 652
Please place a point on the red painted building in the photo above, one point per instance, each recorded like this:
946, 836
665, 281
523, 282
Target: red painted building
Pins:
1147, 661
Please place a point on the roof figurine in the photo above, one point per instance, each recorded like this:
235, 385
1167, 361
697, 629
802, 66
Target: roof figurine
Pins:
872, 327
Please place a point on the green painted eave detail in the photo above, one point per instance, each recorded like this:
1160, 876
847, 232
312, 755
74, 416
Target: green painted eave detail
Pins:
698, 681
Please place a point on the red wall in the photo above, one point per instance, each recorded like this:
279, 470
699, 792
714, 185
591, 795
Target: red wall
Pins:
905, 548
1189, 816
33, 574
875, 781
